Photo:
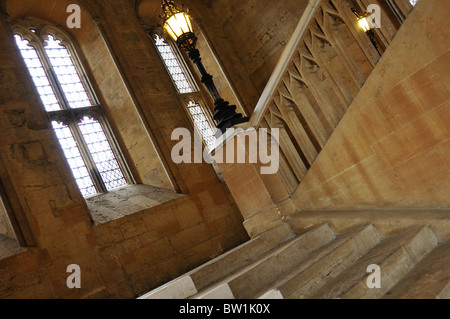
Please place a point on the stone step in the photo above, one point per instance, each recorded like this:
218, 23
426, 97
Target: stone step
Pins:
250, 280
387, 222
271, 294
445, 293
429, 279
395, 256
325, 264
207, 274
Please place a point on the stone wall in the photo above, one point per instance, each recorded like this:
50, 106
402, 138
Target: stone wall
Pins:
131, 255
248, 38
5, 225
391, 150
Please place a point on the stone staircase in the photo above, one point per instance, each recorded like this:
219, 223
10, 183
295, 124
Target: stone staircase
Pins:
323, 254
319, 263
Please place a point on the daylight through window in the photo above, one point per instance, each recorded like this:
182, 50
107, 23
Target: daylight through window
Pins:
202, 123
173, 65
76, 118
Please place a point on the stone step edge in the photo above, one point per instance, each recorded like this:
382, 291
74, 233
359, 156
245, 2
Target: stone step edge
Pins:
331, 265
316, 257
371, 257
185, 281
404, 249
224, 282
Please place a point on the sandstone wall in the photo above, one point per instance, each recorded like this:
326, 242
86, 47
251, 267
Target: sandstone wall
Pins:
391, 150
131, 255
247, 37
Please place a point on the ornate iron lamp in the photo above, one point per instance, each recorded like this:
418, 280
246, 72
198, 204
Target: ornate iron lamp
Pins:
177, 23
365, 25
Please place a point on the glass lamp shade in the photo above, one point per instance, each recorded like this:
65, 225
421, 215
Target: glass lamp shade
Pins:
364, 24
178, 24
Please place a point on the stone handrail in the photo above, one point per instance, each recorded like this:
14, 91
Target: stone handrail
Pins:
322, 69
280, 68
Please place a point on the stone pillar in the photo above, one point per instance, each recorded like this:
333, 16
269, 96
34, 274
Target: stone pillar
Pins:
254, 182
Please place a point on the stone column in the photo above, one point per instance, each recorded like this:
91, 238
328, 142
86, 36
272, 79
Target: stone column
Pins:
253, 179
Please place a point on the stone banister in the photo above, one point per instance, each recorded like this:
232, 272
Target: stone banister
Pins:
321, 71
280, 69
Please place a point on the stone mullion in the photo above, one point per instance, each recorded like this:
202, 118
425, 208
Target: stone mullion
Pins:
398, 13
314, 102
292, 157
51, 75
322, 59
294, 110
87, 157
312, 81
296, 91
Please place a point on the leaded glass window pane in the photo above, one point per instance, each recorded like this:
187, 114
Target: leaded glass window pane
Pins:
67, 74
173, 66
74, 158
84, 142
202, 123
38, 75
102, 154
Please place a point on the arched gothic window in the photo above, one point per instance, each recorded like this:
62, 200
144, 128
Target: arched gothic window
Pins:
174, 64
73, 108
202, 123
186, 86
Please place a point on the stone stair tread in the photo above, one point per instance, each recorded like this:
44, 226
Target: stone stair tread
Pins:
313, 258
397, 265
318, 264
331, 263
260, 266
391, 255
429, 279
226, 264
240, 256
357, 272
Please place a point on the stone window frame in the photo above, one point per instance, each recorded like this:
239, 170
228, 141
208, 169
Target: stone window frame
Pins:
181, 62
36, 31
196, 96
